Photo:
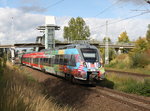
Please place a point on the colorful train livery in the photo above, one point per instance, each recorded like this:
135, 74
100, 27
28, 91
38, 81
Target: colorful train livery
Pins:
76, 62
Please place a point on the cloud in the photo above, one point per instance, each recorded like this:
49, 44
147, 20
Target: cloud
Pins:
29, 1
31, 6
32, 9
134, 27
136, 2
25, 25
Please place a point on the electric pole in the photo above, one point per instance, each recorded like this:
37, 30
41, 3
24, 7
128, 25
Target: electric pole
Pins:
12, 27
106, 46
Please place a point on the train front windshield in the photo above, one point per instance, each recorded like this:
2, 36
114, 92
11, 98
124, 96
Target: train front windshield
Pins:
90, 55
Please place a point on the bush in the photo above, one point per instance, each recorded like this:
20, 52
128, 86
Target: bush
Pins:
140, 60
2, 66
140, 88
130, 85
121, 61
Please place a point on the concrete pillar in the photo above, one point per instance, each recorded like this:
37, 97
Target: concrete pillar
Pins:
12, 54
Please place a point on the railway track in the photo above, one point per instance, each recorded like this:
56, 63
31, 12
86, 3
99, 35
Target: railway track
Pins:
128, 73
139, 103
133, 101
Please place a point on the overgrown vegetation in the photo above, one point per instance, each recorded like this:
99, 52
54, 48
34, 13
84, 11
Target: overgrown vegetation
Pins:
137, 58
121, 61
139, 62
22, 93
2, 66
128, 84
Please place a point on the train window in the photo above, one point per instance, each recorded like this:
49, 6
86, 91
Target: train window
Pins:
56, 59
45, 61
31, 60
51, 60
61, 59
36, 61
66, 59
89, 55
72, 61
41, 63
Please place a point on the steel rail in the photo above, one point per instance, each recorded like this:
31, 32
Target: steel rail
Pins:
130, 100
127, 73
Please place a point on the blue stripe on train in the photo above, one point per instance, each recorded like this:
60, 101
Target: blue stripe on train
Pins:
71, 51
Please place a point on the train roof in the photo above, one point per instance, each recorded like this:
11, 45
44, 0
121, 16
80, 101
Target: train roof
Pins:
76, 46
67, 47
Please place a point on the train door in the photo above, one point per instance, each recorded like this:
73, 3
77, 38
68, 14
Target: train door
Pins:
31, 61
39, 62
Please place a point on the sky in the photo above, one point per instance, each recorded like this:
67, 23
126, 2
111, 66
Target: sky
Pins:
28, 14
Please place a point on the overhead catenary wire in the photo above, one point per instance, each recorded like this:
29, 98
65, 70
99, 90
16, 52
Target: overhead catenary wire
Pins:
107, 8
125, 18
142, 3
52, 5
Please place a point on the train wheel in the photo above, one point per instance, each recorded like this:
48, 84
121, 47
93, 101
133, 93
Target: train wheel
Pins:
43, 70
72, 79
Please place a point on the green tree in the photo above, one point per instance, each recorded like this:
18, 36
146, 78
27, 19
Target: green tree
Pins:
123, 38
140, 45
66, 33
104, 40
76, 30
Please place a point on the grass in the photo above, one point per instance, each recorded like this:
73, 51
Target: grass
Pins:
129, 85
23, 93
